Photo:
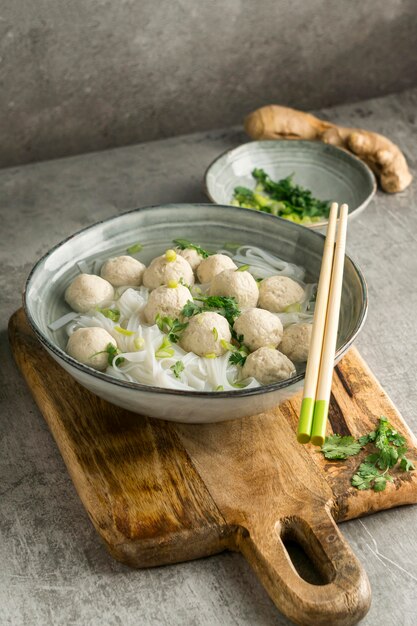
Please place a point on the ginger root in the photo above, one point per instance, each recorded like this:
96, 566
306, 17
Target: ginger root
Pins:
382, 156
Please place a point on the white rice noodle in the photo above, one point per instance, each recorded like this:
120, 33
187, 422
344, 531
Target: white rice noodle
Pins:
263, 264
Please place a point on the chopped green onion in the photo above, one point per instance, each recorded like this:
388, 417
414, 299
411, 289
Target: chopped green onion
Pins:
215, 334
172, 284
111, 314
210, 355
243, 268
219, 388
170, 256
139, 342
293, 308
137, 247
165, 350
226, 345
123, 331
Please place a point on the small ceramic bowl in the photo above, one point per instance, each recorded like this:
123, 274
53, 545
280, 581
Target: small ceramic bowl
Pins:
155, 227
330, 173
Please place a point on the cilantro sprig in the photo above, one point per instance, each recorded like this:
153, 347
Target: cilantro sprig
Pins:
389, 451
172, 327
224, 305
184, 244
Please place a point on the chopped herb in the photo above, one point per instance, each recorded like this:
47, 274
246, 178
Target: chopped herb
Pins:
337, 447
137, 247
239, 352
170, 256
165, 350
111, 314
172, 327
112, 351
293, 308
210, 355
390, 448
139, 342
283, 198
243, 268
230, 245
215, 334
224, 305
123, 331
177, 368
183, 244
219, 388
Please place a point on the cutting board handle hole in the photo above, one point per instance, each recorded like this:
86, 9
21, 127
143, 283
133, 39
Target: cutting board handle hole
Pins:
305, 552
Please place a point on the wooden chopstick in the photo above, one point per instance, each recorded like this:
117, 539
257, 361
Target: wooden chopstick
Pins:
319, 322
321, 406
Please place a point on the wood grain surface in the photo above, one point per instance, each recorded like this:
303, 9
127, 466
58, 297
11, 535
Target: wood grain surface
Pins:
160, 493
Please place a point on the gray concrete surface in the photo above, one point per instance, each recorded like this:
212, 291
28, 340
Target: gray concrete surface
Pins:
54, 569
78, 76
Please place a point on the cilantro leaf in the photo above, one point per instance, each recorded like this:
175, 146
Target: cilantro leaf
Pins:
224, 305
337, 447
184, 244
172, 327
177, 368
406, 465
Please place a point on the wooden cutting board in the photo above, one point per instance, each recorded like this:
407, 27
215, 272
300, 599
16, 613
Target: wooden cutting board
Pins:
160, 492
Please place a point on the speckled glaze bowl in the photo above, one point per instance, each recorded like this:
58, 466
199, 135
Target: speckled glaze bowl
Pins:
155, 227
330, 173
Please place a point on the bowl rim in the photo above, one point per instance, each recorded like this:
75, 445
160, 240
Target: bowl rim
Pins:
365, 167
238, 393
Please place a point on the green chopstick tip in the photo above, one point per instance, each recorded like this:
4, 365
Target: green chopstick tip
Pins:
318, 432
305, 421
303, 438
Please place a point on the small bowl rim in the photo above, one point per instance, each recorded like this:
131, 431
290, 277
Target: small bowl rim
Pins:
315, 225
238, 393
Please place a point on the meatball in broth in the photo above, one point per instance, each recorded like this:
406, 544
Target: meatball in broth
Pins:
240, 285
167, 301
123, 270
87, 291
268, 366
206, 335
89, 346
169, 266
259, 328
276, 293
296, 342
213, 265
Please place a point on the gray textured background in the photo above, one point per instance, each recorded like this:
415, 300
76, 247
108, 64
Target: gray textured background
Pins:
77, 76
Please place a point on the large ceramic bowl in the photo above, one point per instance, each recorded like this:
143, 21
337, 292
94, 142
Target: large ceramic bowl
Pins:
155, 227
330, 173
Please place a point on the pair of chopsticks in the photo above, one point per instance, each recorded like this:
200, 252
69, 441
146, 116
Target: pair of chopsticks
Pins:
318, 378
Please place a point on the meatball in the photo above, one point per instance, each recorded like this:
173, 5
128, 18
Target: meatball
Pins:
123, 270
240, 285
296, 341
169, 266
213, 265
88, 291
205, 333
88, 346
166, 301
268, 366
278, 292
259, 328
192, 256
